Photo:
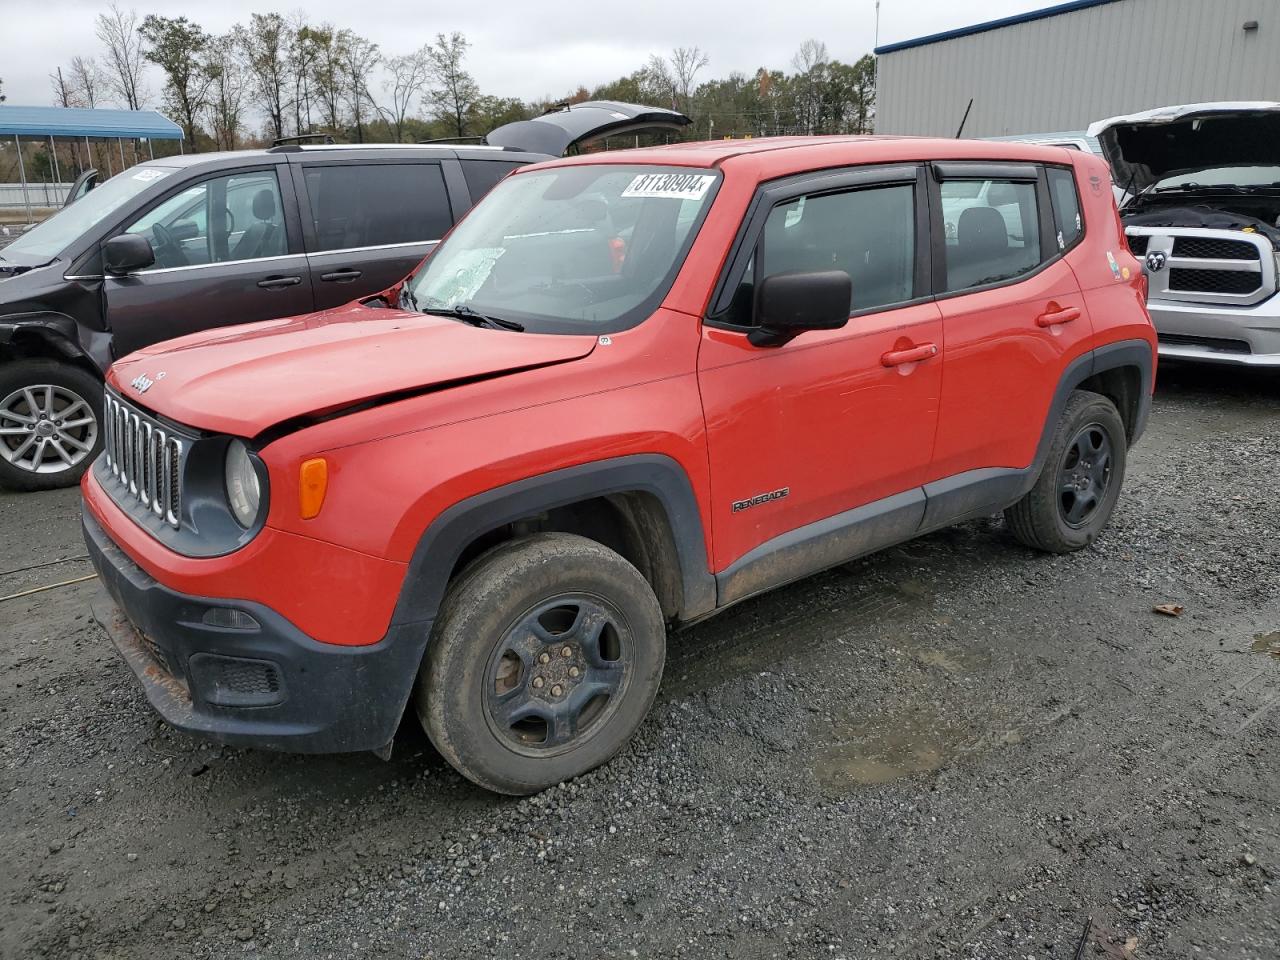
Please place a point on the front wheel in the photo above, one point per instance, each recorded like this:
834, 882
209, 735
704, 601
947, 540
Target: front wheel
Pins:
545, 658
1072, 501
50, 417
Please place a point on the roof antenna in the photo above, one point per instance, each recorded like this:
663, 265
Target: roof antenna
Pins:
965, 119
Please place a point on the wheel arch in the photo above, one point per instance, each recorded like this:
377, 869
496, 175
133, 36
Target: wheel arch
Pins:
1123, 372
641, 506
47, 336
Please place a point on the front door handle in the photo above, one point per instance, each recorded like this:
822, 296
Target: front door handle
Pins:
1055, 317
896, 358
345, 275
275, 283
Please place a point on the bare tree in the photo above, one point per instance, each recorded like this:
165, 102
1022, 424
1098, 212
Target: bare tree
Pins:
266, 44
359, 57
224, 62
453, 92
86, 78
64, 90
812, 53
408, 75
810, 84
118, 31
685, 64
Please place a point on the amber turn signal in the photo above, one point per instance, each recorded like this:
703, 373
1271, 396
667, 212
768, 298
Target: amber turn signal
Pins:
313, 481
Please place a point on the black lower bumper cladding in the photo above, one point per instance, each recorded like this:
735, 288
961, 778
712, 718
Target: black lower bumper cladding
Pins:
239, 673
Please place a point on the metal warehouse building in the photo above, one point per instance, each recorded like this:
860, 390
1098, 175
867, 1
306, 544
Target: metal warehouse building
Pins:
1064, 66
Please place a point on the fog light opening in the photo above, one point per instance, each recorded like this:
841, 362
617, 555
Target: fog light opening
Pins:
228, 618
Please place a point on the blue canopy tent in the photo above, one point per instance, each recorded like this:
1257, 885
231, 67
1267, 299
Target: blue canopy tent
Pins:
80, 124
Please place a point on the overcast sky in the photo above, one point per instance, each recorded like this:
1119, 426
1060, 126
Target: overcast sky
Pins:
527, 49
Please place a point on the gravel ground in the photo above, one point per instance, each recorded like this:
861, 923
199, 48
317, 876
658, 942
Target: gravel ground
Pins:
955, 749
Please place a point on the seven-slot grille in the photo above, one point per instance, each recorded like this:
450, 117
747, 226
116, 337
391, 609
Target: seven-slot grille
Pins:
143, 458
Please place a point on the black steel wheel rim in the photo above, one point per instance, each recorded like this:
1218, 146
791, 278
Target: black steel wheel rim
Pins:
558, 674
1085, 475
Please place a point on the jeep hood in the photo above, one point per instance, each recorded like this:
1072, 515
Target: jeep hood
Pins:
1147, 147
248, 379
555, 132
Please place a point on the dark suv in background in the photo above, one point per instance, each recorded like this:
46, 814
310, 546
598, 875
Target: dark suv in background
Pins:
174, 246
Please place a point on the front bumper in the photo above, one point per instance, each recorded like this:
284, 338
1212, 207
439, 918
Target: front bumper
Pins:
1242, 336
265, 684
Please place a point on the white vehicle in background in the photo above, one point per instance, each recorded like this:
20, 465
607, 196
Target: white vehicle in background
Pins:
1204, 215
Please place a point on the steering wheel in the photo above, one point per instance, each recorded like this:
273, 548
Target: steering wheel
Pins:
168, 248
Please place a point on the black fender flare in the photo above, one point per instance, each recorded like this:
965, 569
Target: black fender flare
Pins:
984, 491
449, 534
1112, 356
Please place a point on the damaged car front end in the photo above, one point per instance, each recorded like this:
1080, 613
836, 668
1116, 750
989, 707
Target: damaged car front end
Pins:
1203, 214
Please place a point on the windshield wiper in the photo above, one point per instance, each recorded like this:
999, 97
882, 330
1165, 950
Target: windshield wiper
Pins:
460, 311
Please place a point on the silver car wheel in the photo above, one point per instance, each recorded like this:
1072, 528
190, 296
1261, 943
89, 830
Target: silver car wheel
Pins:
45, 428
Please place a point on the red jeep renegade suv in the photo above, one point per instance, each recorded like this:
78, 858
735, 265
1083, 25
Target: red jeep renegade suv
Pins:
627, 391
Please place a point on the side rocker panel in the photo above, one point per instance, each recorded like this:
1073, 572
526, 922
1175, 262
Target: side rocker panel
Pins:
939, 504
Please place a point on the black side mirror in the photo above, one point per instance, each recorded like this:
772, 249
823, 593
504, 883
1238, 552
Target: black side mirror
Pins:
790, 303
126, 253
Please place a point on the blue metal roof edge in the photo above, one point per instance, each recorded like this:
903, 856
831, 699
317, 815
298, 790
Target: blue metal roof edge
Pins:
28, 121
1042, 14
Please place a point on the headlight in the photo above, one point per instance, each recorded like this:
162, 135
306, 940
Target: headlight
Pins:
244, 493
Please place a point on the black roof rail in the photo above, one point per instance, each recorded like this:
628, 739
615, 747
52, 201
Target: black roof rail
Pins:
451, 140
290, 144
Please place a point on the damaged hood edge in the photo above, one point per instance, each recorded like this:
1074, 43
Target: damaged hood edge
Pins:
1144, 148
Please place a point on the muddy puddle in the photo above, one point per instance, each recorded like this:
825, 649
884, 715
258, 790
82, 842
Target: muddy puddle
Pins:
1267, 644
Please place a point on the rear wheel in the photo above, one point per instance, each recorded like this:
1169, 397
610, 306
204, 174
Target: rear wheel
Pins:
50, 417
1072, 501
545, 658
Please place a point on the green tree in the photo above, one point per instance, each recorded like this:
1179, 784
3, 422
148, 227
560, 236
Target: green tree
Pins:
179, 48
453, 92
266, 45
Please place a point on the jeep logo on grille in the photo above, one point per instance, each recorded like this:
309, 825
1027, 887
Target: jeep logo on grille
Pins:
1156, 260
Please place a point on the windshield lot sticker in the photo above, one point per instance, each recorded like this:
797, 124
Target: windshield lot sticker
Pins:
146, 176
671, 186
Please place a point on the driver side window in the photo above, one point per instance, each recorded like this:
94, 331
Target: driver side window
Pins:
868, 234
224, 219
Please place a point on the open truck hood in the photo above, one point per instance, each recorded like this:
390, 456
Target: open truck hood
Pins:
247, 379
1148, 147
555, 132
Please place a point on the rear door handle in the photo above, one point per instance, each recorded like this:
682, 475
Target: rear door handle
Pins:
345, 275
1055, 318
274, 283
896, 358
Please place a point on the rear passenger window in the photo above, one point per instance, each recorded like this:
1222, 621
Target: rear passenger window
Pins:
370, 205
483, 175
992, 231
869, 234
1066, 206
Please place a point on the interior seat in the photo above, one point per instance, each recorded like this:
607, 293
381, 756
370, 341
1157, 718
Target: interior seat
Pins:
260, 240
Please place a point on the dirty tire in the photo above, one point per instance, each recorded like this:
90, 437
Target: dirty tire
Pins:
1041, 518
484, 658
69, 383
